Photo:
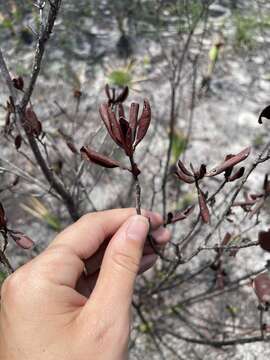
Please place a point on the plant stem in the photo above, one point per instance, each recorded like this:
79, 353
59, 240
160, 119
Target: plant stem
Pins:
137, 184
40, 49
138, 195
169, 151
150, 238
52, 180
4, 260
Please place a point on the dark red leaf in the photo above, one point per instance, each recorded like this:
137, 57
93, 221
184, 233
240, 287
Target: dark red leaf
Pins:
107, 91
18, 83
124, 125
226, 239
77, 94
254, 196
99, 159
230, 162
261, 285
264, 114
21, 239
181, 215
189, 210
189, 179
266, 185
104, 113
202, 171
182, 167
3, 221
122, 96
129, 142
264, 240
16, 181
230, 169
143, 123
194, 172
68, 141
18, 142
169, 218
133, 117
31, 123
173, 218
113, 96
121, 111
239, 173
126, 134
116, 129
204, 211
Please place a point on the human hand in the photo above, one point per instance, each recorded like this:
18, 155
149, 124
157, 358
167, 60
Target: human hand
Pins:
73, 301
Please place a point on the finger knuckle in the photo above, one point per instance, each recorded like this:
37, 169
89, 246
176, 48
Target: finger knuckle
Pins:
88, 217
13, 284
53, 258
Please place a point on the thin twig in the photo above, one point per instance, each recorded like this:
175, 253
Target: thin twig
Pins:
6, 76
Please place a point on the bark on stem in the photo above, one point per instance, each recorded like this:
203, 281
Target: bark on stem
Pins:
4, 260
55, 184
150, 238
137, 185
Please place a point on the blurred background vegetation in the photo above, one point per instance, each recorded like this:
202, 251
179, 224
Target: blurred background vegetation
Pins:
89, 30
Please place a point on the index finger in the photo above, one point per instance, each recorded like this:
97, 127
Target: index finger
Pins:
86, 235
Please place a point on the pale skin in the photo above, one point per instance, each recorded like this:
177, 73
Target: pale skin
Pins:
73, 301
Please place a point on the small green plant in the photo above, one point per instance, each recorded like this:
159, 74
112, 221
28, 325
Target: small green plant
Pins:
129, 75
179, 143
120, 78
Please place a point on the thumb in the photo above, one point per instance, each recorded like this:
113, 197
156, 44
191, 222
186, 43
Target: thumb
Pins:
120, 265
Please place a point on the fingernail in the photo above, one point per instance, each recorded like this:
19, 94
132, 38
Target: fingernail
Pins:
138, 228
